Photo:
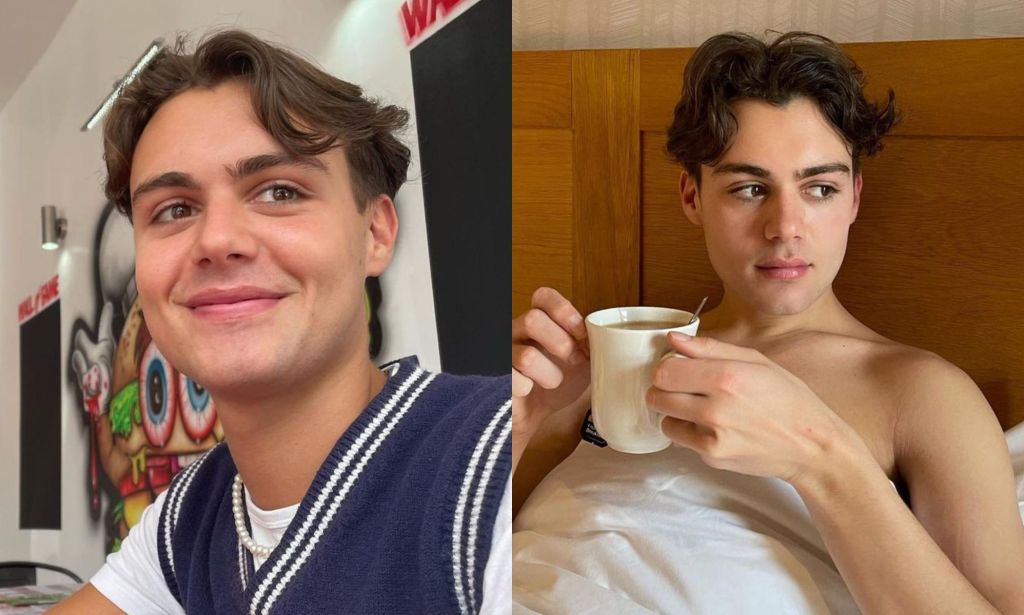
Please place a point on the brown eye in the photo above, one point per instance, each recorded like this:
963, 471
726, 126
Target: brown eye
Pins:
278, 193
749, 193
175, 211
826, 192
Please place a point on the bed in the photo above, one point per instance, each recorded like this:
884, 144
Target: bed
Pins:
934, 259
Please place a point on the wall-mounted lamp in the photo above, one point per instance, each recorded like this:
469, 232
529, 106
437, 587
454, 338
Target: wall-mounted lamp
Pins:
54, 228
121, 84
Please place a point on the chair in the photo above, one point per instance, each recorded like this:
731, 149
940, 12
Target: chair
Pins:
24, 573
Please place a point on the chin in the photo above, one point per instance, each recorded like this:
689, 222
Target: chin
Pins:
788, 302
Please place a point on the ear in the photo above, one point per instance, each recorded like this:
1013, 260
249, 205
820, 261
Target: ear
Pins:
381, 234
858, 183
689, 197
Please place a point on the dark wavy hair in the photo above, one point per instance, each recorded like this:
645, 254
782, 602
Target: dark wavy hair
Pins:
731, 66
305, 109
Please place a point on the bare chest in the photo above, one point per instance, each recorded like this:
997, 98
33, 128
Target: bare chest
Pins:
858, 385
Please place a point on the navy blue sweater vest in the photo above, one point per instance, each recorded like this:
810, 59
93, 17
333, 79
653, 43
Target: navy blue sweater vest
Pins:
398, 519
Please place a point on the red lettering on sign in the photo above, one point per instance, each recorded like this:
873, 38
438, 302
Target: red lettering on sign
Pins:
47, 294
418, 15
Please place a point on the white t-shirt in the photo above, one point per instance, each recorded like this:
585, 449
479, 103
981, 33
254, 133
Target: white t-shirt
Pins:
132, 578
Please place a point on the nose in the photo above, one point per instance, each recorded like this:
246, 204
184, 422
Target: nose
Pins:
224, 233
784, 217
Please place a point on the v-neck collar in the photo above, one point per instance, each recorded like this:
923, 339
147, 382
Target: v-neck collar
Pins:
333, 481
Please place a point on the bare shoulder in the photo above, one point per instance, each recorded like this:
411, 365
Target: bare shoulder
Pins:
924, 380
915, 369
937, 405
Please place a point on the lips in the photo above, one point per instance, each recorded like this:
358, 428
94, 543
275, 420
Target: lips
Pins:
782, 263
231, 303
783, 269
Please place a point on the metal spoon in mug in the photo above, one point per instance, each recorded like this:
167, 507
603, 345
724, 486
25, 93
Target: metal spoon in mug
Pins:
699, 308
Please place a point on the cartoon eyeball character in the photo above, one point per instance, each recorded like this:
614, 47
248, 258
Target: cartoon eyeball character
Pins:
165, 394
196, 408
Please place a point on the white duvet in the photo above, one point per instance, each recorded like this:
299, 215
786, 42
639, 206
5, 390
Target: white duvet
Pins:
612, 533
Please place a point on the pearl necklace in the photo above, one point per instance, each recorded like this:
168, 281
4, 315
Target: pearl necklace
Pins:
238, 508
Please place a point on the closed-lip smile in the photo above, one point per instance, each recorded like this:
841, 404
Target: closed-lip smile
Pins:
232, 303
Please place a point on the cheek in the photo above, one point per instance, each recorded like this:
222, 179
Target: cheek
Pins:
323, 249
726, 242
153, 275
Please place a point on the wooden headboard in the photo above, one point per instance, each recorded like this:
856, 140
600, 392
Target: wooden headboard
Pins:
936, 257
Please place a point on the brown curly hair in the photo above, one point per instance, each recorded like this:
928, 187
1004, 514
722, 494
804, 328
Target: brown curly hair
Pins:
305, 109
731, 66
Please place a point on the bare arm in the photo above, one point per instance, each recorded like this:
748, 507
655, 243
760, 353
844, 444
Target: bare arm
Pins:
88, 601
555, 439
963, 551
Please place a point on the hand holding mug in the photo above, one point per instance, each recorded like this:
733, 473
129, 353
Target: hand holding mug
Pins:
550, 361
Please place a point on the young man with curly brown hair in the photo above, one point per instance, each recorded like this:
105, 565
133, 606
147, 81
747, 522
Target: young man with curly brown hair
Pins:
260, 191
797, 426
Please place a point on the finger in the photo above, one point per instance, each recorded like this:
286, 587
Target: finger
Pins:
686, 433
710, 348
535, 365
537, 328
561, 311
521, 385
692, 408
697, 376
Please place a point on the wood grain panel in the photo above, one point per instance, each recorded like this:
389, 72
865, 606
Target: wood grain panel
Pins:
949, 87
675, 268
606, 179
542, 89
661, 84
969, 87
541, 213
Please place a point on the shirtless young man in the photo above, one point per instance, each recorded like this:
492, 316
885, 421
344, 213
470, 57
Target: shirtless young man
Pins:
782, 382
260, 191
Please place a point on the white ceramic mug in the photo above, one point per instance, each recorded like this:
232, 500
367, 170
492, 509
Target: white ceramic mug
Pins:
622, 362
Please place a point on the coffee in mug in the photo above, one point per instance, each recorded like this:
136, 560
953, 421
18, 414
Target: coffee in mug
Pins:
626, 345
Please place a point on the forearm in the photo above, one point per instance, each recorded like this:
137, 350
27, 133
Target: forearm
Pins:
542, 448
887, 559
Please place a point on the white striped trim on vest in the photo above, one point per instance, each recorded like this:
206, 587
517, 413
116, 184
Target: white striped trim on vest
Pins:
172, 505
322, 519
243, 571
478, 501
463, 560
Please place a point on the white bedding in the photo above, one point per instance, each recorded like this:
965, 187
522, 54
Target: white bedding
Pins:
613, 533
1015, 441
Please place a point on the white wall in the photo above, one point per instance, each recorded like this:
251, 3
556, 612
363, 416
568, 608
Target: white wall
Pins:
45, 159
588, 24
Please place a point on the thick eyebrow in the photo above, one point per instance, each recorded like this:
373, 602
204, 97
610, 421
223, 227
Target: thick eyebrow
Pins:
171, 179
255, 164
242, 168
749, 169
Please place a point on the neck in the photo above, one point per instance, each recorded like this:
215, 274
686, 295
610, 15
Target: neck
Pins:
739, 322
280, 439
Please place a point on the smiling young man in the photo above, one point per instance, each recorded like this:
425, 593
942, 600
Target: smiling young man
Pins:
260, 192
797, 425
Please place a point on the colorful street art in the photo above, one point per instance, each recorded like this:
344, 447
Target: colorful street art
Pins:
146, 420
